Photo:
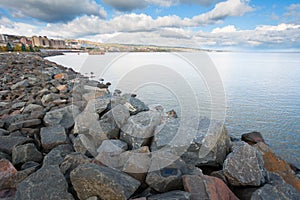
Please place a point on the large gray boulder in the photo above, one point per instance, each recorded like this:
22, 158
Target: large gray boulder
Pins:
276, 188
47, 183
139, 128
63, 116
25, 153
91, 180
244, 166
52, 136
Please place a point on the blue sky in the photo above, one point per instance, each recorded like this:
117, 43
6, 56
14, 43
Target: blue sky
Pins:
213, 24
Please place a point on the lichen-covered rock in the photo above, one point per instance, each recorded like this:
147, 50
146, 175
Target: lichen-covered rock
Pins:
47, 183
92, 180
244, 166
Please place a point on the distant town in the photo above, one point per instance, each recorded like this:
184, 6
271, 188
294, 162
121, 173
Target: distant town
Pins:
38, 43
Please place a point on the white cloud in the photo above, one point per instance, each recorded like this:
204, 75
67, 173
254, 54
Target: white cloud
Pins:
226, 29
222, 10
293, 13
53, 10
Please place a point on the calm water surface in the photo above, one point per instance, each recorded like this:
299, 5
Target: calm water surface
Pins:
262, 89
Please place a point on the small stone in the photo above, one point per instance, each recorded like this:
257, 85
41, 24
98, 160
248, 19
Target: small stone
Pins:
48, 98
6, 170
53, 136
18, 105
60, 76
29, 164
23, 84
25, 153
3, 132
32, 107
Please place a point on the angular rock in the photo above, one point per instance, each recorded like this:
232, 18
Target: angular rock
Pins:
24, 124
3, 132
56, 156
93, 180
139, 128
176, 194
170, 177
112, 121
207, 187
273, 163
18, 105
29, 164
32, 107
7, 143
48, 98
25, 153
210, 145
73, 160
8, 194
63, 116
244, 166
7, 170
277, 188
114, 147
253, 138
138, 105
20, 84
5, 156
46, 183
85, 144
53, 136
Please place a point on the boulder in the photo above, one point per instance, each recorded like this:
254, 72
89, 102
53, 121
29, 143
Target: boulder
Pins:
276, 188
91, 180
112, 121
207, 187
139, 128
210, 145
170, 177
275, 164
25, 153
47, 183
7, 170
138, 105
52, 136
244, 166
24, 124
253, 137
7, 143
85, 144
176, 194
114, 147
8, 194
71, 161
63, 116
56, 156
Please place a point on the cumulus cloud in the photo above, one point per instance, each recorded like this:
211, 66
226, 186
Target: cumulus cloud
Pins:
127, 5
53, 10
226, 29
222, 10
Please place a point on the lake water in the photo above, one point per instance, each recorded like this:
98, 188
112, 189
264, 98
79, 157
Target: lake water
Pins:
262, 90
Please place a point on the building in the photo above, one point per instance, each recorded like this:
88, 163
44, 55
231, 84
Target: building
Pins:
3, 38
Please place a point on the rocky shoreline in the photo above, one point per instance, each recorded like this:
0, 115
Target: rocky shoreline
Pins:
63, 136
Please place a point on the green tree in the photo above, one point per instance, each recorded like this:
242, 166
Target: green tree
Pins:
31, 48
9, 47
23, 47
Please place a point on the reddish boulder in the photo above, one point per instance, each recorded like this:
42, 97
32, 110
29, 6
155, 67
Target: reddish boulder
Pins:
7, 170
273, 163
207, 187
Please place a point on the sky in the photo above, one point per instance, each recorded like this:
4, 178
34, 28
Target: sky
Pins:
209, 24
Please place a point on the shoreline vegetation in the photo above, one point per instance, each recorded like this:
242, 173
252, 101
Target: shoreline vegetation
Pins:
63, 136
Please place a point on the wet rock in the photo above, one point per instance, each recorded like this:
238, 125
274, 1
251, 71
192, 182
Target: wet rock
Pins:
244, 166
111, 122
25, 153
275, 164
253, 138
47, 183
139, 128
207, 187
53, 136
277, 188
7, 143
63, 116
176, 194
93, 180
